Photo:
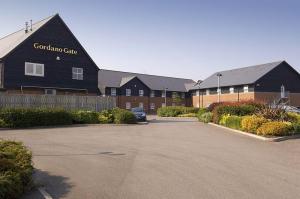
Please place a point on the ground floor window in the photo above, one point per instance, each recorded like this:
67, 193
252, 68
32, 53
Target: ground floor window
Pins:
128, 105
113, 91
141, 105
152, 106
50, 92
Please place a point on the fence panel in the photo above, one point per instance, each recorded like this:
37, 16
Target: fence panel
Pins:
68, 102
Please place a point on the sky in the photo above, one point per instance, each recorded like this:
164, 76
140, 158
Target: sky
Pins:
178, 38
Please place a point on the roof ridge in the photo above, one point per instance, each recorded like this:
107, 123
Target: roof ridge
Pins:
146, 74
250, 66
1, 38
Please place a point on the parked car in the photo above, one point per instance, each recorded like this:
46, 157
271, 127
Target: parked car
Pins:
139, 114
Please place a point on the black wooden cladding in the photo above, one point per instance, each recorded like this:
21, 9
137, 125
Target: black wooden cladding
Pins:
57, 73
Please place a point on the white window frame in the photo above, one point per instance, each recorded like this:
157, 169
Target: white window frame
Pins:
231, 90
141, 93
207, 92
53, 91
197, 92
128, 92
34, 73
113, 91
77, 73
141, 105
128, 105
163, 94
246, 89
152, 106
152, 93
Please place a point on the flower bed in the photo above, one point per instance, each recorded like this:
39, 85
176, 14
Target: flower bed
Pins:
253, 118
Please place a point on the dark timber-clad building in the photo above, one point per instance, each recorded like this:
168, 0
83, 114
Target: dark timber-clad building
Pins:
147, 91
269, 83
46, 58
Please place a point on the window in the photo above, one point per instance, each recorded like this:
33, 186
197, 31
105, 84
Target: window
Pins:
231, 90
174, 95
246, 89
152, 94
1, 73
163, 94
77, 73
141, 105
163, 105
50, 92
141, 92
113, 91
207, 91
34, 69
198, 93
128, 92
182, 95
128, 105
152, 106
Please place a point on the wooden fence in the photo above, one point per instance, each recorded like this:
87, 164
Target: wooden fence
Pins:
68, 102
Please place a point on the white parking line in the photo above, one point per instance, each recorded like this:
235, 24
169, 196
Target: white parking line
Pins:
44, 193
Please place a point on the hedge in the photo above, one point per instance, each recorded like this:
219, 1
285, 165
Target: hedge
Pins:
252, 123
122, 116
21, 117
85, 117
174, 111
15, 169
231, 121
205, 117
239, 110
106, 117
274, 128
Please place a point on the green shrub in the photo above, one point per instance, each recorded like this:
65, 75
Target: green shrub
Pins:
231, 121
106, 117
239, 110
85, 117
2, 124
188, 115
205, 117
15, 169
174, 111
252, 123
296, 128
293, 117
122, 116
257, 105
275, 128
21, 117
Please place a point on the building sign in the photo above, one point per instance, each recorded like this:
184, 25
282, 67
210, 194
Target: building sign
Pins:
49, 47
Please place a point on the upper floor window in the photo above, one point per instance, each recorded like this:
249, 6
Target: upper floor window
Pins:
128, 92
152, 94
113, 91
34, 69
246, 89
141, 92
77, 73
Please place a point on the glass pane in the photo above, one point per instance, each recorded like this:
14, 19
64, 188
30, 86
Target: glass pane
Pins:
29, 68
39, 69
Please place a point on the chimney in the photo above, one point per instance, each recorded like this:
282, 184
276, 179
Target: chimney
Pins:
26, 27
30, 24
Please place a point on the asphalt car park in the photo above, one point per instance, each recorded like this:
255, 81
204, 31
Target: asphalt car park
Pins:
166, 158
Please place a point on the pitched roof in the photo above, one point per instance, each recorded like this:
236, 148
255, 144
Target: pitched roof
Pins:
239, 76
10, 42
109, 78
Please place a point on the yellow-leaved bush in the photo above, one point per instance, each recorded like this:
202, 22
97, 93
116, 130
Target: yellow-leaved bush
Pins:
275, 128
252, 123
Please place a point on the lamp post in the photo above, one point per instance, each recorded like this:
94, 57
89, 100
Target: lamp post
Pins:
198, 84
219, 75
166, 96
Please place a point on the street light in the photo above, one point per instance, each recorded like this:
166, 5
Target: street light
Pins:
219, 75
166, 96
198, 84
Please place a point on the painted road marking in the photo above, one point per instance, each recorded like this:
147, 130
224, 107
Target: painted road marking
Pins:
44, 193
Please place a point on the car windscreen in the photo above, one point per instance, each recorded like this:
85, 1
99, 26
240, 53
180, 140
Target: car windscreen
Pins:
137, 109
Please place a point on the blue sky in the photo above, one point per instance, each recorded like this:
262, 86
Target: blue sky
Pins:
185, 38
